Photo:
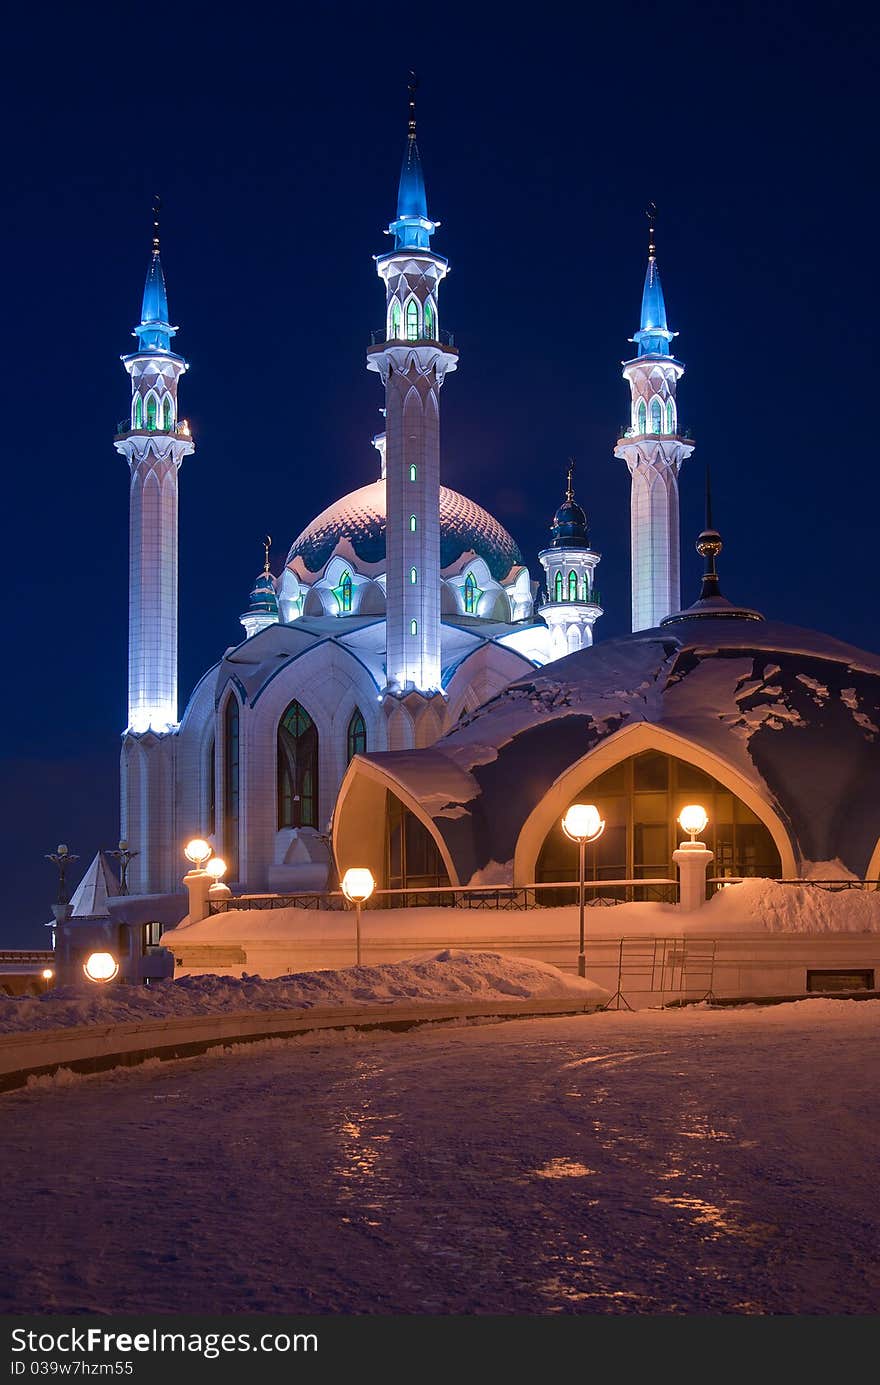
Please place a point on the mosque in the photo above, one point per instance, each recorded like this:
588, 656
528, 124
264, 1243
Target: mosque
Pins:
406, 696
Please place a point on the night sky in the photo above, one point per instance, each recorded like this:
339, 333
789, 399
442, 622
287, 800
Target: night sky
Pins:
275, 142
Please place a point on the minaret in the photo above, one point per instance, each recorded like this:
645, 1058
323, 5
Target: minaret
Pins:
653, 448
572, 606
412, 364
154, 443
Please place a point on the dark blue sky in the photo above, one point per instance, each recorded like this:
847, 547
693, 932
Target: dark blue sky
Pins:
275, 140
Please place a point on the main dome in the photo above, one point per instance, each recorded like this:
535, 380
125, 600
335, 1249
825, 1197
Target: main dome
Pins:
360, 518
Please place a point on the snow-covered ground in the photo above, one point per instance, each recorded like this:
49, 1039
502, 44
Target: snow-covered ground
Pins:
444, 976
664, 1161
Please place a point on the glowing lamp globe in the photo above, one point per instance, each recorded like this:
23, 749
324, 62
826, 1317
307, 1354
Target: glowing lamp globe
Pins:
101, 966
197, 851
582, 823
358, 884
48, 973
693, 819
216, 867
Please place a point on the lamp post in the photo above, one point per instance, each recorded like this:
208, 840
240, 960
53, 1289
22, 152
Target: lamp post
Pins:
692, 857
357, 886
63, 857
124, 855
582, 824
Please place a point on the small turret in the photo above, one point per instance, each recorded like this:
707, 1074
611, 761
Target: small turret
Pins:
572, 606
263, 605
710, 601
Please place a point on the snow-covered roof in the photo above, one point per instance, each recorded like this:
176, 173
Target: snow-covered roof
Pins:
796, 713
356, 523
98, 885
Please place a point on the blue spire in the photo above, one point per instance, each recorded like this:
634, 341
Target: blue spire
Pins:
412, 226
653, 336
154, 332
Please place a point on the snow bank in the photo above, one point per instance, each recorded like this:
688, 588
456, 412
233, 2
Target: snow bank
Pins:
439, 977
764, 905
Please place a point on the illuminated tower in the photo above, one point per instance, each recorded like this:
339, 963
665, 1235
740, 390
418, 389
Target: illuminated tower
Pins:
154, 442
653, 448
572, 606
412, 365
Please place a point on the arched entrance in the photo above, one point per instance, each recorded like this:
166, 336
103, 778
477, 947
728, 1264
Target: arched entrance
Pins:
640, 798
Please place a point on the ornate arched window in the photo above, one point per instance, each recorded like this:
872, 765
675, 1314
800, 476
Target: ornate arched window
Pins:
394, 329
297, 769
413, 524
167, 413
152, 413
413, 473
357, 736
656, 416
670, 416
413, 627
572, 586
412, 320
414, 576
557, 587
430, 320
231, 782
470, 594
585, 588
345, 592
640, 799
138, 412
642, 417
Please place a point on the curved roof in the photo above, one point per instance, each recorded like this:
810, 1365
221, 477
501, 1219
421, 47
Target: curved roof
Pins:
794, 712
359, 517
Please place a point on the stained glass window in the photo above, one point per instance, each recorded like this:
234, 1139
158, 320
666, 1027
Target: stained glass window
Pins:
166, 413
138, 412
412, 320
656, 416
345, 592
470, 594
357, 735
152, 413
297, 769
572, 586
642, 416
430, 331
395, 320
557, 587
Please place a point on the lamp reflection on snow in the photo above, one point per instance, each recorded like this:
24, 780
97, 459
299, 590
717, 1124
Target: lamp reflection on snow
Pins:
582, 823
357, 885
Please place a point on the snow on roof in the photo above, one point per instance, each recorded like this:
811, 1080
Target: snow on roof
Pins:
797, 713
100, 883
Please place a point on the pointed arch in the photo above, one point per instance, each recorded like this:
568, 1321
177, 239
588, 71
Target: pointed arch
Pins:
412, 319
231, 729
630, 741
394, 318
413, 472
137, 417
297, 754
345, 590
152, 412
670, 416
413, 524
572, 585
356, 736
656, 415
167, 413
642, 417
557, 587
470, 595
430, 320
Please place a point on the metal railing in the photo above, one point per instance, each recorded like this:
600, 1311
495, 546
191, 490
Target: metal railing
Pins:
718, 882
514, 898
444, 336
629, 430
24, 958
179, 430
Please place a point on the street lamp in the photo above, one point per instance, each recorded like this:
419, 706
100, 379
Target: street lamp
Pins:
47, 974
124, 855
357, 886
63, 857
692, 857
693, 819
582, 824
101, 967
197, 852
216, 868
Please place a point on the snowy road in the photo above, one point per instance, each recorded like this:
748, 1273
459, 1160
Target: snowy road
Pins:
688, 1161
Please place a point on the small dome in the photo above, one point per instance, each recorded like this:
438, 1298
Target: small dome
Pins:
570, 526
263, 601
360, 518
